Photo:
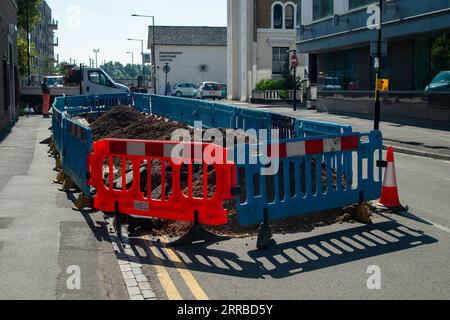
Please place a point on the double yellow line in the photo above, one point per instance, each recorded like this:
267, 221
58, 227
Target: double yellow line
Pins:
165, 279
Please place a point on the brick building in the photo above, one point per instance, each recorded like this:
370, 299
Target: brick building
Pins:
8, 64
260, 32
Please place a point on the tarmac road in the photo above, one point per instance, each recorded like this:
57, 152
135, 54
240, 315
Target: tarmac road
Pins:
411, 251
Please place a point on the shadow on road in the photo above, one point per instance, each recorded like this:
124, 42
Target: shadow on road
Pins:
287, 259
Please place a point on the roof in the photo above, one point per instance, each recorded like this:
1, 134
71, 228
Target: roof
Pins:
188, 36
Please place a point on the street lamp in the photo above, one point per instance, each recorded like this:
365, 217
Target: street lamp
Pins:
132, 57
152, 48
142, 53
96, 51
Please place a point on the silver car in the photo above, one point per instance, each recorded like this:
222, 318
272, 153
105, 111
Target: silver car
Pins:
184, 89
210, 90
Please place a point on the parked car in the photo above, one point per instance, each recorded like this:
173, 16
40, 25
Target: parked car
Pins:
328, 83
224, 89
209, 89
440, 83
55, 81
184, 89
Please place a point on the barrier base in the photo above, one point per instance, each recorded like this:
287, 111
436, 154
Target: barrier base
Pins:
265, 239
58, 166
196, 234
83, 202
363, 213
60, 178
68, 184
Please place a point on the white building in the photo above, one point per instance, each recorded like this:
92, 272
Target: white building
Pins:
260, 32
194, 54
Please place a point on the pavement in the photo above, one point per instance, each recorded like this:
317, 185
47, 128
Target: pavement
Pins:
414, 138
43, 243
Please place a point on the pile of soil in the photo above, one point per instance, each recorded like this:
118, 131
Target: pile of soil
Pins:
127, 123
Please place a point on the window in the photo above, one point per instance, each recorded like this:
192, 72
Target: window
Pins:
280, 60
278, 16
289, 13
359, 3
322, 9
98, 78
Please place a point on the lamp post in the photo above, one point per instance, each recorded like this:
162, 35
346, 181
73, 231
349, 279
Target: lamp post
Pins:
96, 51
28, 45
294, 64
142, 53
132, 57
377, 89
152, 48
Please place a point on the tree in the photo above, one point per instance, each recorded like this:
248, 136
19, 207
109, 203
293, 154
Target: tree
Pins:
34, 13
23, 53
440, 54
30, 9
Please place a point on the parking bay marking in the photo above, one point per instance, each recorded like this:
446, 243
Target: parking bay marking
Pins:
164, 277
187, 276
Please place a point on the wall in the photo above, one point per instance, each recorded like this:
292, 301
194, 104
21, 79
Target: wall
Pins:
8, 19
185, 64
267, 39
420, 108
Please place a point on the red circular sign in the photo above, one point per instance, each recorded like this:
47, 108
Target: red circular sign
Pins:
294, 60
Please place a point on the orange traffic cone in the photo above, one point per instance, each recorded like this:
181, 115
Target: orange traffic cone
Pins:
389, 197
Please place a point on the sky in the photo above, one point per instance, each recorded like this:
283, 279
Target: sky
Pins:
85, 25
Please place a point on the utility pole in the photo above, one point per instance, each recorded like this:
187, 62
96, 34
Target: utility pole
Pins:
132, 57
378, 65
294, 65
96, 51
152, 48
143, 61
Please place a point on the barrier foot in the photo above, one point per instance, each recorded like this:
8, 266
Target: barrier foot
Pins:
196, 234
83, 202
265, 239
60, 178
118, 222
67, 184
58, 163
363, 213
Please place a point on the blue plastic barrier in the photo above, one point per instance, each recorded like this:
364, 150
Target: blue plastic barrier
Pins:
223, 116
301, 187
309, 128
142, 102
76, 105
77, 140
57, 123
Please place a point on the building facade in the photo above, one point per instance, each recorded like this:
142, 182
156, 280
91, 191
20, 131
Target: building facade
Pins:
340, 39
43, 37
194, 54
260, 32
9, 111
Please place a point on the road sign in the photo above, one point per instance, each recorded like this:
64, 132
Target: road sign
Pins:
147, 58
294, 61
383, 85
166, 68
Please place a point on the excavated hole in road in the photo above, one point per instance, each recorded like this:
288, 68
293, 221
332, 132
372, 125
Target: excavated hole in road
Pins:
126, 123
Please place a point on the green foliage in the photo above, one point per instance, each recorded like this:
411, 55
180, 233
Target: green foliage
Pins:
23, 55
284, 94
34, 13
440, 54
120, 72
271, 84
